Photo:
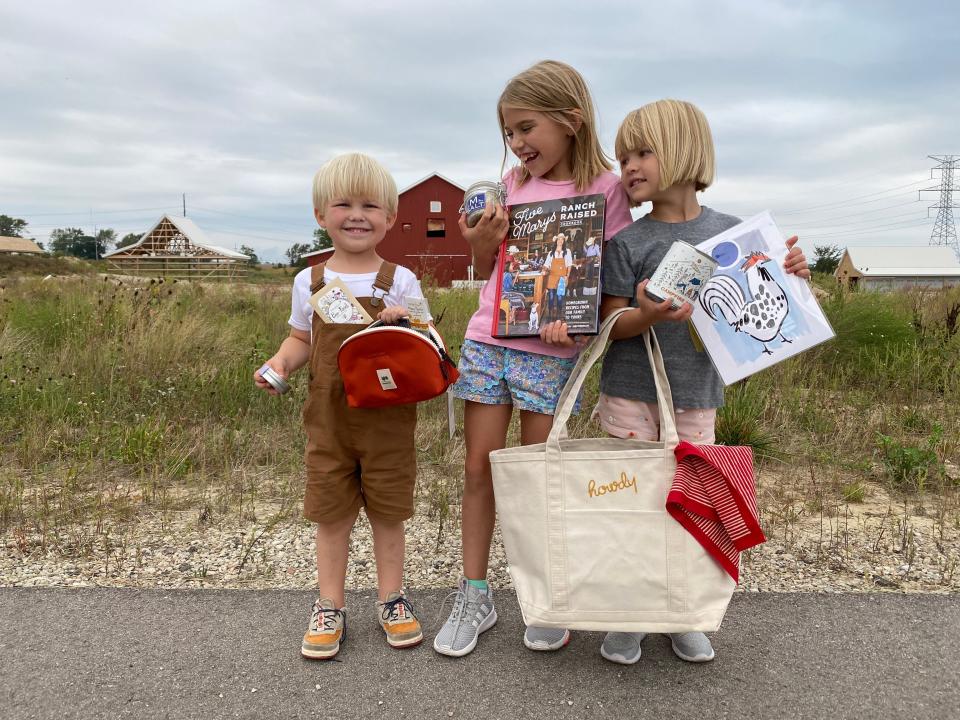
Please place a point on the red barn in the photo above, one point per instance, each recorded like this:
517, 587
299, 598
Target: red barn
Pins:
426, 237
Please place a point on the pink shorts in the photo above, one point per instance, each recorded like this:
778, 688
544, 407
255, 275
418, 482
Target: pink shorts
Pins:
635, 419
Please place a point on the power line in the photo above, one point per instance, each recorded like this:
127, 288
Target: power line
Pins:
98, 212
217, 227
841, 204
250, 217
873, 210
905, 225
848, 200
262, 237
912, 221
830, 226
873, 213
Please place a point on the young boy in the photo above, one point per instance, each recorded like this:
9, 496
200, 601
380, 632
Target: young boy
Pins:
355, 456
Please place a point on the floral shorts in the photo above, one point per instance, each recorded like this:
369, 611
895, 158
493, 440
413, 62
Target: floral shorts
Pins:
497, 375
635, 419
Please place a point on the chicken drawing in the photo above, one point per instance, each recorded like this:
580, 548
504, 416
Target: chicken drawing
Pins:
759, 313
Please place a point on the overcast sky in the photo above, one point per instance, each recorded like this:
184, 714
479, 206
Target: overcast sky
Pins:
823, 112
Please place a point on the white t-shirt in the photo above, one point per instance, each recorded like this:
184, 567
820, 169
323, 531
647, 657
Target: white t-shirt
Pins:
405, 284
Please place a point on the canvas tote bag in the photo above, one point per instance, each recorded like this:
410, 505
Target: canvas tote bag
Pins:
588, 539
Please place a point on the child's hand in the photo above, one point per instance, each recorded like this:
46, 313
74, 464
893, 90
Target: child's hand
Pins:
278, 366
390, 315
660, 311
489, 230
796, 261
485, 237
555, 333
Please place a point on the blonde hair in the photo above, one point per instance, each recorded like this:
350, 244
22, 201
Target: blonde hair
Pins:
678, 134
559, 92
354, 175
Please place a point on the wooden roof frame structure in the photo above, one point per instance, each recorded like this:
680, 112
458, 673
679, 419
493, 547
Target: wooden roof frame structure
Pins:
176, 248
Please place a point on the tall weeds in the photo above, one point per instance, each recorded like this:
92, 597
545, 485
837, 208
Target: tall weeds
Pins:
114, 397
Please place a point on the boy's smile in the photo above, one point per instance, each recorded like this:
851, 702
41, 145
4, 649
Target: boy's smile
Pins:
355, 225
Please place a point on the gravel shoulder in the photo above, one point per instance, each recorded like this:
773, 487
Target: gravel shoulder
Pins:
877, 545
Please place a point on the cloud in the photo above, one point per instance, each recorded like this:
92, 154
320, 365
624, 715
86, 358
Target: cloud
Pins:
127, 106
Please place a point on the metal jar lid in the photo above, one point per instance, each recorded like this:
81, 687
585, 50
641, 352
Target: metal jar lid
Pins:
475, 199
271, 376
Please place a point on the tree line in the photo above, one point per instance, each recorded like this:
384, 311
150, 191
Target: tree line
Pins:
76, 242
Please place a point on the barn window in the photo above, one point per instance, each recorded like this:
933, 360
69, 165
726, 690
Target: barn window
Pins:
407, 227
435, 206
436, 228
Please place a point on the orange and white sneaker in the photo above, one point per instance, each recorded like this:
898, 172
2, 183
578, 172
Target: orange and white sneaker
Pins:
327, 631
398, 621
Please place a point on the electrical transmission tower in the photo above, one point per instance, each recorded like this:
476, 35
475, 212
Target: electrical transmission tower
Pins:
944, 231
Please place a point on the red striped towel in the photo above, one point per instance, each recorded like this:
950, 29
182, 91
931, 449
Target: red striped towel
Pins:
714, 497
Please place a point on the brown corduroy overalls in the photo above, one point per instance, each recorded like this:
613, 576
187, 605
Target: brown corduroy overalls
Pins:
355, 456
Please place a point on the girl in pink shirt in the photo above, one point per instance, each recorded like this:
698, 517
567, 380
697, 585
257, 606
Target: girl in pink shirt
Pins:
548, 120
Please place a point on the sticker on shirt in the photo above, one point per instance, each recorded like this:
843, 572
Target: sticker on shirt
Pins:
335, 304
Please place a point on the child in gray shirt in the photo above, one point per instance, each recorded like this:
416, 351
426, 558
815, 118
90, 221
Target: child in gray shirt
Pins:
666, 157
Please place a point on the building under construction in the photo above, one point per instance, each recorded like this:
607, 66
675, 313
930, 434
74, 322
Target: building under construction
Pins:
176, 248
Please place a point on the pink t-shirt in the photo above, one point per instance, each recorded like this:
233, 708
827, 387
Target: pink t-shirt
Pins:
616, 217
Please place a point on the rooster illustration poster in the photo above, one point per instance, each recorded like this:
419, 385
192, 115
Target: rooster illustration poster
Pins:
751, 314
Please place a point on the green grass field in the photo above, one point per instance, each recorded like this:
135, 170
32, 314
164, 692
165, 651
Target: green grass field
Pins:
119, 399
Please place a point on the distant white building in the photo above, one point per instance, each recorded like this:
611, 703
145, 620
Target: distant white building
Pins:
891, 268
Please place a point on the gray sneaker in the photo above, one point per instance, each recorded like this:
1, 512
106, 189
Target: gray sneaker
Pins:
692, 646
472, 614
545, 639
622, 647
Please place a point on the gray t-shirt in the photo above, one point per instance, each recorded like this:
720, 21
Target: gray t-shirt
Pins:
632, 255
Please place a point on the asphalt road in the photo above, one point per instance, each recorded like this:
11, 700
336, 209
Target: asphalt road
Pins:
113, 653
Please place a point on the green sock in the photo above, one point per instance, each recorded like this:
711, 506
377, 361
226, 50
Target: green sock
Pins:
479, 584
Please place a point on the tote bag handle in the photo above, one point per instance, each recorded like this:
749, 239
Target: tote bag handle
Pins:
568, 397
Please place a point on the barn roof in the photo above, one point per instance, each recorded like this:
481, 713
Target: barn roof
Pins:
905, 261
314, 253
18, 245
189, 230
424, 179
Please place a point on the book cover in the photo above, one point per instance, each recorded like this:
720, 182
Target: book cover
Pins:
548, 268
752, 314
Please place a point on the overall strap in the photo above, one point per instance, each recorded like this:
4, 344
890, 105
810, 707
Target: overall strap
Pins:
316, 277
384, 280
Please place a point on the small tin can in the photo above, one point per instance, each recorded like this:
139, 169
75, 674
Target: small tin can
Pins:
681, 275
475, 199
271, 376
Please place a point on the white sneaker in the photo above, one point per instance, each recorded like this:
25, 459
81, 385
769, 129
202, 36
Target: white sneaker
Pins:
472, 614
622, 647
692, 646
545, 639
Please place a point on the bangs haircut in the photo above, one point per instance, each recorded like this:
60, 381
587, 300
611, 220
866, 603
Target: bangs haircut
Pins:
354, 175
559, 92
678, 134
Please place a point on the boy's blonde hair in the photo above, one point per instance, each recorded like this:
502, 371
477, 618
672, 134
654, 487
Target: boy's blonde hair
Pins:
354, 175
559, 92
678, 134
